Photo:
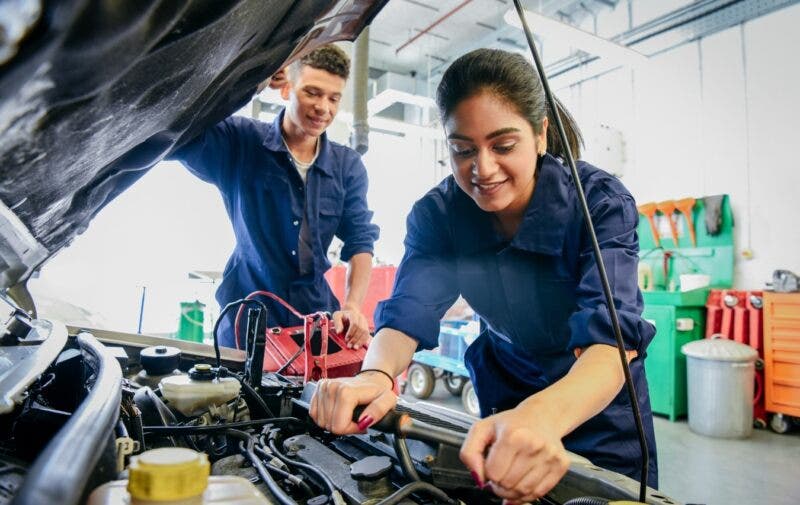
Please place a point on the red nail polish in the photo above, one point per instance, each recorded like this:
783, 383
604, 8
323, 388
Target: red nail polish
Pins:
476, 479
365, 422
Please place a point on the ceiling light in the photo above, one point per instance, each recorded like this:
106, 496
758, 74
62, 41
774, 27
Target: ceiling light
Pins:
550, 29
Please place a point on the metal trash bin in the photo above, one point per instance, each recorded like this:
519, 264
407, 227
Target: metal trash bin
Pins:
721, 373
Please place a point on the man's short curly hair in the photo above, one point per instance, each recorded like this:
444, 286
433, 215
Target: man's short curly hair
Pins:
329, 58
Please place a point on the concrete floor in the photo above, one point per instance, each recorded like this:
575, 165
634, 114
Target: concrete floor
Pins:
693, 469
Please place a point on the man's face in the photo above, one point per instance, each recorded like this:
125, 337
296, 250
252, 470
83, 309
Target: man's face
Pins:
314, 97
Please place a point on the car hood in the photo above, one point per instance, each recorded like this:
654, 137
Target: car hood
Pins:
93, 93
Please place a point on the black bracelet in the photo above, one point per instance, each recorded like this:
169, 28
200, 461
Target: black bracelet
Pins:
379, 371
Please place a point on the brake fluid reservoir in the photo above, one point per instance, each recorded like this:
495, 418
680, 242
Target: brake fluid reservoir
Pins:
191, 394
175, 476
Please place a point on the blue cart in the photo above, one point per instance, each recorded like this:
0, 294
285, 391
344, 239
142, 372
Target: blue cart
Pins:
446, 362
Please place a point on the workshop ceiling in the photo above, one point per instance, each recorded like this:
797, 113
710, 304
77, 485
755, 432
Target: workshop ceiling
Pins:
423, 36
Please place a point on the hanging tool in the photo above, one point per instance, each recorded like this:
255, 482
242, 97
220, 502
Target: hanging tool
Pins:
666, 269
649, 210
667, 207
685, 206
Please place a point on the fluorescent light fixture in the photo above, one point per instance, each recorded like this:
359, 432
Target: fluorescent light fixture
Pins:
550, 29
388, 97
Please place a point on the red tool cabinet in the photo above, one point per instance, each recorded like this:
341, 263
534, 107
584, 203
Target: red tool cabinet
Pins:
738, 315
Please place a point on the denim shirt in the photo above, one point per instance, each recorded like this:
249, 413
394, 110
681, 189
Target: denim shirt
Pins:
538, 295
283, 227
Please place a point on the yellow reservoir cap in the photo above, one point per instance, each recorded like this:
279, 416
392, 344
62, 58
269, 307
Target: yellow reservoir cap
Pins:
169, 473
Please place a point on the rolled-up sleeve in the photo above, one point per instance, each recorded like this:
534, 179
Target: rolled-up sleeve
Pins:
356, 228
426, 283
615, 220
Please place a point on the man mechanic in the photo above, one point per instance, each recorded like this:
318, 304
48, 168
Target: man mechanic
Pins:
288, 191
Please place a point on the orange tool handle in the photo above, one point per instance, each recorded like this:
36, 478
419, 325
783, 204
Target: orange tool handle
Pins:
649, 211
668, 208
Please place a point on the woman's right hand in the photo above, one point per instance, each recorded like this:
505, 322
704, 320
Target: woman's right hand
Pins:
335, 400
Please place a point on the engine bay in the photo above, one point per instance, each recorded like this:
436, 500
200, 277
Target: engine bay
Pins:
78, 404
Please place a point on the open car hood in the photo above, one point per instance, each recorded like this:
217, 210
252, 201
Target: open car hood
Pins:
93, 93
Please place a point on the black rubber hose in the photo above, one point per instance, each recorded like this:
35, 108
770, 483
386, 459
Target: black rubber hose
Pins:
295, 479
255, 396
63, 469
273, 486
587, 500
401, 449
201, 430
222, 313
320, 475
416, 487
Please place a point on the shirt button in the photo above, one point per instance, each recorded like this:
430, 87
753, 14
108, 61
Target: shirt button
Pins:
295, 222
294, 253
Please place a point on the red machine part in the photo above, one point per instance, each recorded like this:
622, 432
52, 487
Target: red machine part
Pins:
310, 353
737, 315
302, 351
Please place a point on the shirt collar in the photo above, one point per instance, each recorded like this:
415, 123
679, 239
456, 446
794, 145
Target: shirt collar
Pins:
543, 226
273, 141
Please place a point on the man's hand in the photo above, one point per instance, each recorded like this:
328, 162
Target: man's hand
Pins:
351, 319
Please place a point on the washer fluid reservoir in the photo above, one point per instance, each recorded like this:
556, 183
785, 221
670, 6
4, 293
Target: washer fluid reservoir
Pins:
193, 393
175, 476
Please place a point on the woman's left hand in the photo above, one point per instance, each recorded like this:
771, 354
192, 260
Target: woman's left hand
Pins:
517, 452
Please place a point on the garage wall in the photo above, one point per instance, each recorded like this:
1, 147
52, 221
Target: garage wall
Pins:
709, 117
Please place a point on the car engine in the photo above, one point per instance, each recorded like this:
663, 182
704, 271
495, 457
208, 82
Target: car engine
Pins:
77, 404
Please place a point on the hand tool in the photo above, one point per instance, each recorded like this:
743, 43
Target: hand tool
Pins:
649, 211
667, 207
685, 206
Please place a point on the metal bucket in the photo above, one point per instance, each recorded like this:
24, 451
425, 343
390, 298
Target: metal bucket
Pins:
721, 373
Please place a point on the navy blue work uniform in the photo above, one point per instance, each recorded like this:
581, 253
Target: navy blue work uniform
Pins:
538, 295
283, 226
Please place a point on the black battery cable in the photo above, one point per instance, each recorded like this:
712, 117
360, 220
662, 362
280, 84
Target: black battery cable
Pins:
612, 310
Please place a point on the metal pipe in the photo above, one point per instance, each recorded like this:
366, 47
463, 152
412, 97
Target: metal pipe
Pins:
360, 137
63, 469
432, 26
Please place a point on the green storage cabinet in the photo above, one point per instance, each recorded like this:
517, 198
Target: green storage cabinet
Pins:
665, 365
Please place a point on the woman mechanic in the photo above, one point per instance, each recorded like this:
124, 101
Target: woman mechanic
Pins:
506, 232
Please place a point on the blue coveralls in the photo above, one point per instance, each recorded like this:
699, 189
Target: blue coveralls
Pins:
539, 297
283, 227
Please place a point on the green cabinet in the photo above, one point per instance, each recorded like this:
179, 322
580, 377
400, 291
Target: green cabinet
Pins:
665, 365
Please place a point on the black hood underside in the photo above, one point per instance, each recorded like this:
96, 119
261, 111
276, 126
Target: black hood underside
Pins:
93, 93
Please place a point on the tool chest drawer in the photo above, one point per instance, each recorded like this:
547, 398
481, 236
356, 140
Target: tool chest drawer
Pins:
782, 352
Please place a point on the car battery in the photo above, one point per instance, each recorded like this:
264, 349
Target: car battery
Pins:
324, 354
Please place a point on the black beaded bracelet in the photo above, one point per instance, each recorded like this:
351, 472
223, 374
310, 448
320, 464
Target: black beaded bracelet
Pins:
379, 371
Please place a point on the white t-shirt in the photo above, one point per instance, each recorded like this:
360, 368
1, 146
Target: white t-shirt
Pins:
302, 168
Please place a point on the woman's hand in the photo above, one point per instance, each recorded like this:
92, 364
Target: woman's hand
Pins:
335, 400
518, 453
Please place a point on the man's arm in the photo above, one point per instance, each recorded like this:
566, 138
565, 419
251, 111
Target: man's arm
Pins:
358, 273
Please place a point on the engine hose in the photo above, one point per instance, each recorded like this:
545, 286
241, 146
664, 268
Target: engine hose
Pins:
334, 493
294, 479
587, 500
202, 430
273, 486
255, 396
401, 448
62, 471
415, 487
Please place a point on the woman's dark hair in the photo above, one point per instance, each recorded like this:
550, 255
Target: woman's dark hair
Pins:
511, 77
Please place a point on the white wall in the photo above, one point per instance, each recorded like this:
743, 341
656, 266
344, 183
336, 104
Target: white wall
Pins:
694, 126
